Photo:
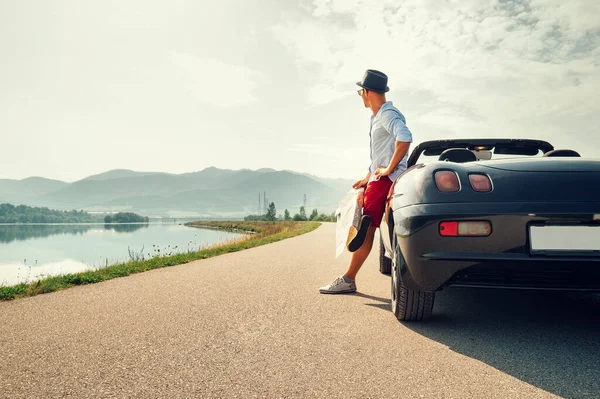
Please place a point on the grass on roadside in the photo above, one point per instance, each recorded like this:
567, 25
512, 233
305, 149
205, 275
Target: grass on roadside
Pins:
262, 233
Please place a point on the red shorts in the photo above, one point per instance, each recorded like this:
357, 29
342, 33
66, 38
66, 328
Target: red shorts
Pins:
374, 199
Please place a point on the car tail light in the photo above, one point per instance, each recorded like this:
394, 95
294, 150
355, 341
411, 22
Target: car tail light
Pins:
466, 229
447, 181
481, 183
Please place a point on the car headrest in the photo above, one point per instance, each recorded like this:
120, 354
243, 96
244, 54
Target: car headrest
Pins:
457, 155
562, 153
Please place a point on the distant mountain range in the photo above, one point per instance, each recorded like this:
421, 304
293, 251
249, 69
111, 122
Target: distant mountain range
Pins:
211, 192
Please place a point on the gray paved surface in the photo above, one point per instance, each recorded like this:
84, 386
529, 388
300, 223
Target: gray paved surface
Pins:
252, 324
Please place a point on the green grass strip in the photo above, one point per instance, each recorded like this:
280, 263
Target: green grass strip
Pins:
263, 233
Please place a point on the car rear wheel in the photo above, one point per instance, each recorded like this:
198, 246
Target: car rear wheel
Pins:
408, 305
385, 263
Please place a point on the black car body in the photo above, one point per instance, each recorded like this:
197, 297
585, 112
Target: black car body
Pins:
533, 224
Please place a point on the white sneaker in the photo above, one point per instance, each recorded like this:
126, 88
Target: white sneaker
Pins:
339, 286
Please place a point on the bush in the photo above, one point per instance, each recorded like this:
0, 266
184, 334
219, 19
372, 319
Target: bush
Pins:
126, 217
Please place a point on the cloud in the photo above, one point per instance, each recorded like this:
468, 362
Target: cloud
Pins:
215, 82
484, 67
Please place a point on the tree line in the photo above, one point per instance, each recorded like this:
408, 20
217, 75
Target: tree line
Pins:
298, 217
25, 214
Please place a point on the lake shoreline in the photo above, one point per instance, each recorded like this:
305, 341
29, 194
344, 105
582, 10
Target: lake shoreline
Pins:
221, 226
32, 252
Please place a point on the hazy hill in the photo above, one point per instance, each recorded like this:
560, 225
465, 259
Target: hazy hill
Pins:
210, 192
25, 190
119, 174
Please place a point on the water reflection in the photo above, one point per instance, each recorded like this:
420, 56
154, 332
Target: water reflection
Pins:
30, 252
125, 228
31, 271
23, 232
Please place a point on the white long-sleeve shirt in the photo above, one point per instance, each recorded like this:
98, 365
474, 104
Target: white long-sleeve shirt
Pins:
387, 127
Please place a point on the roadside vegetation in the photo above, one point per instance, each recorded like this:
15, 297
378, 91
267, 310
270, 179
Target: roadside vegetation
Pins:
301, 216
257, 233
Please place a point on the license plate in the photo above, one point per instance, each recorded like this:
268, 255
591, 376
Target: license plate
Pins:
564, 238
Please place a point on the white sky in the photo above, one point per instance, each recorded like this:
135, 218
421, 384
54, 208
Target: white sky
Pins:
178, 86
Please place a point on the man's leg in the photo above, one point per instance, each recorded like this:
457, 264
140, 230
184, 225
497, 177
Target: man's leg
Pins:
373, 206
361, 254
345, 283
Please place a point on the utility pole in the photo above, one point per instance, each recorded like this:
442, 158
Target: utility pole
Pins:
265, 203
259, 206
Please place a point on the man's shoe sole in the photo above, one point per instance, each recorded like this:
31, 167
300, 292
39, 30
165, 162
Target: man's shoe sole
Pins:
357, 242
338, 292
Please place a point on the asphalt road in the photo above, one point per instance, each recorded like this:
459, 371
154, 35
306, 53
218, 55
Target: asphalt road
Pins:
252, 324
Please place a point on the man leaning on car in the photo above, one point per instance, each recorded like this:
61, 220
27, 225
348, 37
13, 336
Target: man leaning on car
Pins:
390, 139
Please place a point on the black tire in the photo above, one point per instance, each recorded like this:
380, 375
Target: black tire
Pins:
385, 263
408, 305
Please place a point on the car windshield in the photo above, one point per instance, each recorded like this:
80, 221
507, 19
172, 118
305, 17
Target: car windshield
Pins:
427, 159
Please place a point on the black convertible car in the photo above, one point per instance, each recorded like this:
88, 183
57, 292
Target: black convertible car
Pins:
499, 213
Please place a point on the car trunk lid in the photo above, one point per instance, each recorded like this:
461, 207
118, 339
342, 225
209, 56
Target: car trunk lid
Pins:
553, 165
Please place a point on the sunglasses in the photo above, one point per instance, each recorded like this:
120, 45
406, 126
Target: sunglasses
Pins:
360, 92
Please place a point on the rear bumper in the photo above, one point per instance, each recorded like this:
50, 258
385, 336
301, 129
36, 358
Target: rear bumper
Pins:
504, 258
522, 271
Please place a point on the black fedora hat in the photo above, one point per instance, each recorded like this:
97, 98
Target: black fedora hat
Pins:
375, 81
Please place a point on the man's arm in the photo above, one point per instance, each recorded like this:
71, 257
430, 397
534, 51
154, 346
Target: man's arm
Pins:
363, 182
395, 124
399, 153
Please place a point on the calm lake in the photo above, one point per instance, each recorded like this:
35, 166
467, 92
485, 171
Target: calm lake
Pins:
31, 252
